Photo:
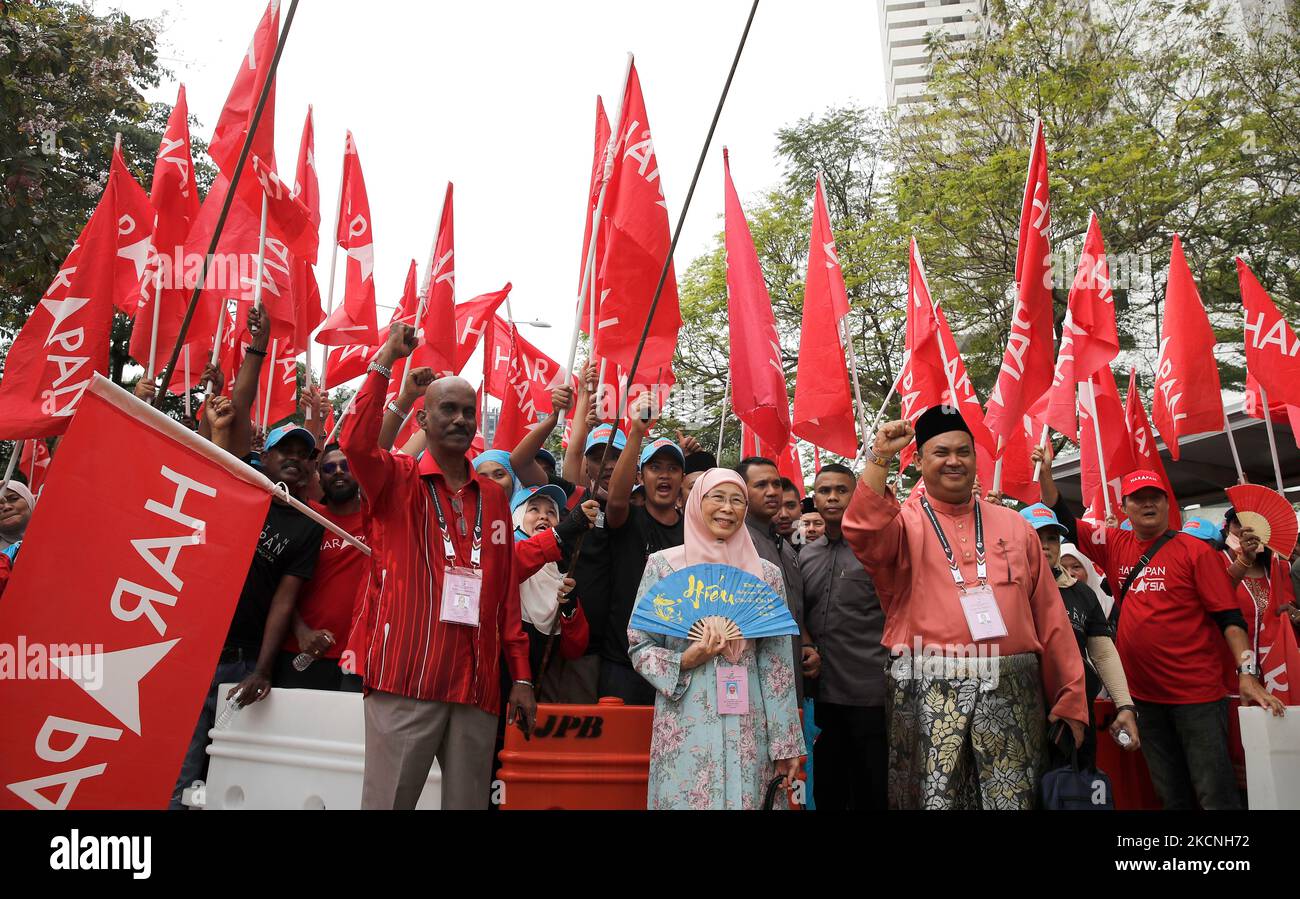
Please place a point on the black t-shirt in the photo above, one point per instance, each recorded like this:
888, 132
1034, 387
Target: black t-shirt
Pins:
289, 544
1088, 620
628, 549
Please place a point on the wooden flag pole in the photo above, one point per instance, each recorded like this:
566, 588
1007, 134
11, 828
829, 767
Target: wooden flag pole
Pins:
1272, 440
225, 206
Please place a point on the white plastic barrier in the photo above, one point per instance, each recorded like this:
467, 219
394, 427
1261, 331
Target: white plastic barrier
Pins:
1272, 758
296, 749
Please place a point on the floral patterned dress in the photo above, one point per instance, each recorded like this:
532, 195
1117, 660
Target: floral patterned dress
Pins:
698, 758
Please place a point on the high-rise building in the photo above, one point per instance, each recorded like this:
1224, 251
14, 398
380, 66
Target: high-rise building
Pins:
905, 29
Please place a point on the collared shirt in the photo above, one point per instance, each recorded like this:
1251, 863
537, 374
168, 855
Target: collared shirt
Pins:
408, 651
910, 571
846, 622
777, 550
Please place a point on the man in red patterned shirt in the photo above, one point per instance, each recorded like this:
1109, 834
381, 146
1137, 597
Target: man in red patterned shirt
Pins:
442, 608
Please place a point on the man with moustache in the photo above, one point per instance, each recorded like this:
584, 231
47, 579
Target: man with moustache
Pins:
284, 559
442, 610
984, 655
324, 615
791, 509
846, 623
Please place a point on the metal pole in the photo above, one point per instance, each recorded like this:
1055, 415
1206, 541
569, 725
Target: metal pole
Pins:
153, 327
1232, 443
1272, 440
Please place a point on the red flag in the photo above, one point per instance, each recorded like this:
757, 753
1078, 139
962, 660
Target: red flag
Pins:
304, 289
923, 382
1058, 408
473, 318
749, 443
1143, 444
280, 376
306, 186
1278, 412
65, 341
354, 321
1186, 398
1271, 345
637, 242
1018, 481
538, 370
1027, 369
758, 391
1279, 664
174, 196
141, 613
519, 412
237, 114
1114, 437
599, 154
823, 400
790, 465
345, 363
135, 221
34, 462
1092, 308
439, 337
287, 217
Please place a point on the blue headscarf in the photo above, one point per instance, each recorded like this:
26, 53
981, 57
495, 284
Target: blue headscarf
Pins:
502, 458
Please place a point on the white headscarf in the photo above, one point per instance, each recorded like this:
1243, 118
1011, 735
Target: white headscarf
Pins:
537, 595
1094, 576
8, 539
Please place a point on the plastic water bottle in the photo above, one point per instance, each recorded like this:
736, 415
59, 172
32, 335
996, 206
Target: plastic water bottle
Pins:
600, 519
1123, 738
228, 712
302, 661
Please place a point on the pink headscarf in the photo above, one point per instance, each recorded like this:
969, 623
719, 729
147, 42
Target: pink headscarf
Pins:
701, 547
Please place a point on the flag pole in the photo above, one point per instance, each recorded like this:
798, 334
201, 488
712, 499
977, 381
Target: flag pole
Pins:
1042, 441
261, 260
31, 477
270, 386
588, 270
997, 468
893, 388
14, 453
1232, 443
334, 257
853, 371
726, 390
186, 373
338, 424
1272, 440
427, 287
153, 327
226, 203
1101, 454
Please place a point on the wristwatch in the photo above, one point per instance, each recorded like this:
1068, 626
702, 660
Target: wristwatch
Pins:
1250, 668
382, 369
877, 460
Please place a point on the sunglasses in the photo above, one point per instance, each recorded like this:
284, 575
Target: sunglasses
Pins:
332, 467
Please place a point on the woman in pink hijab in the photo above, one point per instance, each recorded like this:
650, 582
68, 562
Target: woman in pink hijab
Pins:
726, 720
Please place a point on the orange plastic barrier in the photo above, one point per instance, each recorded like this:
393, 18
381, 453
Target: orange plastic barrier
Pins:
580, 757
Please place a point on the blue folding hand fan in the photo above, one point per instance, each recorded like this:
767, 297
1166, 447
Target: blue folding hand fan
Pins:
675, 605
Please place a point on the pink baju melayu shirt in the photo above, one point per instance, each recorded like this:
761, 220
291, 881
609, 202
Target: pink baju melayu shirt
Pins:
898, 546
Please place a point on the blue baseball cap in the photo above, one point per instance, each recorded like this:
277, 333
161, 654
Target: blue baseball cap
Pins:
1126, 525
1041, 516
552, 491
601, 434
655, 447
284, 431
1201, 529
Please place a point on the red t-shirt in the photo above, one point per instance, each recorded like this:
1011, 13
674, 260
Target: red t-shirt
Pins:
328, 599
1170, 647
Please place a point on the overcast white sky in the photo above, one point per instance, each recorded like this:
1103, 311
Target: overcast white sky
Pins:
499, 98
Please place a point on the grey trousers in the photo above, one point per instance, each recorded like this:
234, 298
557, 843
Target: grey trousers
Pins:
405, 735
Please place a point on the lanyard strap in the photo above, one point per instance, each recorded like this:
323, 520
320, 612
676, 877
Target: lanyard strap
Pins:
449, 548
981, 569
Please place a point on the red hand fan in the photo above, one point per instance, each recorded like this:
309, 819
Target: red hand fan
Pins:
1268, 514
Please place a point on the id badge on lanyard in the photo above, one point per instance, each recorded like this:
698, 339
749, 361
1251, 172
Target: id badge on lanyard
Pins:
733, 689
462, 586
978, 604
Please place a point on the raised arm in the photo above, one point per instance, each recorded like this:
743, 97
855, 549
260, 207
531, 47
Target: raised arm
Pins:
243, 393
413, 387
523, 458
623, 479
372, 466
572, 470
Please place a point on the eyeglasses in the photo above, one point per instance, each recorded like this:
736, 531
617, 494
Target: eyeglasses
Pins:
723, 499
331, 467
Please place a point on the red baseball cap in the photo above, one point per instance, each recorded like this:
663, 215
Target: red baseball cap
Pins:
1137, 480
